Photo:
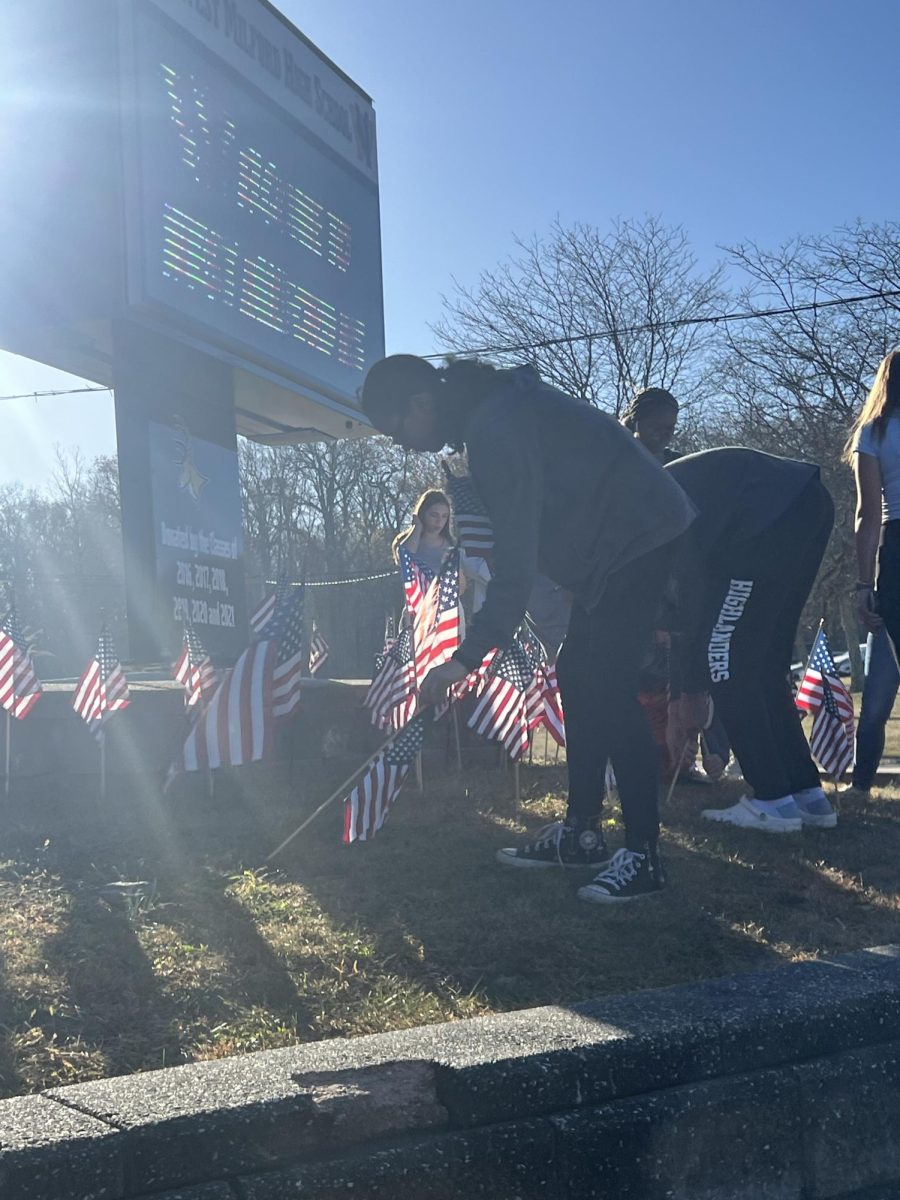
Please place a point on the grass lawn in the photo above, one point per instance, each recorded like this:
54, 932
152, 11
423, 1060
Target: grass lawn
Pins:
221, 956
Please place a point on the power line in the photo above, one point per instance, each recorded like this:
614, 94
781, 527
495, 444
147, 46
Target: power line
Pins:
751, 314
45, 395
676, 323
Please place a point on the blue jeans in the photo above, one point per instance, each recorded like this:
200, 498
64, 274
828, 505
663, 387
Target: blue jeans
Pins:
879, 694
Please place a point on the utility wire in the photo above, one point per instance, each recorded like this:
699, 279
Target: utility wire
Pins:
44, 395
752, 314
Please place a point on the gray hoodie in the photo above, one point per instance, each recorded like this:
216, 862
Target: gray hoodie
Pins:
570, 493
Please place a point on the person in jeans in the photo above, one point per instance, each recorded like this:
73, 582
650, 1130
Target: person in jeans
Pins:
750, 560
879, 693
873, 449
571, 494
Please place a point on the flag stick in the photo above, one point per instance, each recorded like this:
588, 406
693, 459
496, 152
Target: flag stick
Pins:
8, 748
210, 783
102, 765
516, 782
677, 769
420, 779
455, 718
339, 791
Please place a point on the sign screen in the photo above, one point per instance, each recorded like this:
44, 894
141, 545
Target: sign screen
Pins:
253, 217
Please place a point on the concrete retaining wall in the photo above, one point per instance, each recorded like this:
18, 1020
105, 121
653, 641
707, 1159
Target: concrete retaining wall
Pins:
783, 1085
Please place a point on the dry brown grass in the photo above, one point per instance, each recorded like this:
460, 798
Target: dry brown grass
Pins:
421, 925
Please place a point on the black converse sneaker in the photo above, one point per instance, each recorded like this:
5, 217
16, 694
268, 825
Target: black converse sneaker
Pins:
559, 844
629, 876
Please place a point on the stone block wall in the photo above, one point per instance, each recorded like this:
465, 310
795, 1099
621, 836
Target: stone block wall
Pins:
779, 1085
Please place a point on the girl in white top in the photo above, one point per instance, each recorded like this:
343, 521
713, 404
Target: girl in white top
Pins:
873, 449
428, 539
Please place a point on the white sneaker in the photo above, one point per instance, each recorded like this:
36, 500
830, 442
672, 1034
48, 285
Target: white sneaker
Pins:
746, 815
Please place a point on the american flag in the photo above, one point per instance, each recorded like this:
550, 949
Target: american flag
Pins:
552, 704
103, 688
476, 534
20, 688
367, 806
268, 606
436, 618
194, 670
318, 650
235, 726
416, 581
392, 695
509, 704
822, 693
286, 629
390, 635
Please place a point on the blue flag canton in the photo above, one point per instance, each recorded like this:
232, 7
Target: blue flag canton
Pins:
286, 625
821, 661
195, 648
516, 666
464, 496
13, 629
448, 596
106, 654
401, 652
407, 744
410, 567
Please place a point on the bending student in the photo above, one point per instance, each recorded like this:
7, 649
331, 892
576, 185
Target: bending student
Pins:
571, 493
751, 558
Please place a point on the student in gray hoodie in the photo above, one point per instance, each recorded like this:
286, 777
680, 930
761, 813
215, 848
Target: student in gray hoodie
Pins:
572, 494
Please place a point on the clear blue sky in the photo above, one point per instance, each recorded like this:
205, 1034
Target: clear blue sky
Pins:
739, 121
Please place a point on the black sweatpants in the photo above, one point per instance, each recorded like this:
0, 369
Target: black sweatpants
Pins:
752, 604
598, 679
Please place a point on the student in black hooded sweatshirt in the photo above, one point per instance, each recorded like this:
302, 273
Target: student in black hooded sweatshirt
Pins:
749, 562
572, 494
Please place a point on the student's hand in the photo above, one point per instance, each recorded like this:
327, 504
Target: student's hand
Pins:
439, 679
867, 609
463, 583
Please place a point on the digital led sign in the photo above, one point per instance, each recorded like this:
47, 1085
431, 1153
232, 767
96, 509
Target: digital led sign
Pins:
251, 185
190, 217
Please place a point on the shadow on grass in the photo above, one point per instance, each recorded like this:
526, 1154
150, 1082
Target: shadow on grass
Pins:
429, 883
736, 900
419, 925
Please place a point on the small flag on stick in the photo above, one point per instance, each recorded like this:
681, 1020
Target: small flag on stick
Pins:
103, 688
266, 610
20, 688
318, 650
367, 806
194, 670
476, 533
823, 694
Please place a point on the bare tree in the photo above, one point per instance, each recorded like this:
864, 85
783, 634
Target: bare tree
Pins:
601, 315
794, 381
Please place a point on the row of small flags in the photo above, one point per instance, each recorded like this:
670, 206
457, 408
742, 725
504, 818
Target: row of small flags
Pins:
515, 688
263, 694
236, 712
